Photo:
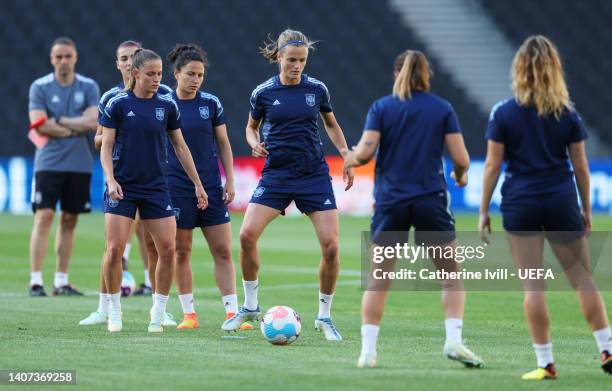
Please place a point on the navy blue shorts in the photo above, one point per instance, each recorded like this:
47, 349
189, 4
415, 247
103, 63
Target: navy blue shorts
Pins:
430, 215
555, 214
312, 197
155, 207
188, 216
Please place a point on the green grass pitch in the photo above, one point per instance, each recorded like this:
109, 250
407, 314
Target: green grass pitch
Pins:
43, 333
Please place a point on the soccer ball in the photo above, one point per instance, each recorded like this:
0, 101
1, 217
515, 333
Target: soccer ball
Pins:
281, 325
128, 284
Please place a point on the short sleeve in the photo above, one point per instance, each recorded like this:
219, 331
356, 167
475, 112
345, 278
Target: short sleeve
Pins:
219, 117
578, 132
495, 130
174, 117
164, 89
102, 104
92, 96
374, 118
36, 98
101, 108
110, 118
451, 122
325, 106
257, 108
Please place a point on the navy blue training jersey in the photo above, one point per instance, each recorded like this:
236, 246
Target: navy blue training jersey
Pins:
139, 152
199, 117
290, 131
409, 161
163, 89
535, 148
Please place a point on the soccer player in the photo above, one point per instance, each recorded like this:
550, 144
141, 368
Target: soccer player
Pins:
62, 168
204, 129
147, 248
124, 53
133, 148
410, 128
533, 132
288, 105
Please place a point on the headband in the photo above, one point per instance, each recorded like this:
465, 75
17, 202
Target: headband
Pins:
293, 42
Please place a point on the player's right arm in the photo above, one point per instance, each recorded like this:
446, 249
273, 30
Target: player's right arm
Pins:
98, 138
101, 112
252, 135
365, 149
106, 159
109, 124
460, 157
492, 167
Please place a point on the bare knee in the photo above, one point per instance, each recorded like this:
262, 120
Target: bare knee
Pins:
183, 254
329, 250
114, 252
166, 250
580, 279
68, 221
222, 253
44, 219
248, 238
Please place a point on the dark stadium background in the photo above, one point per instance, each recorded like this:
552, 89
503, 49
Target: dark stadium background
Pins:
358, 43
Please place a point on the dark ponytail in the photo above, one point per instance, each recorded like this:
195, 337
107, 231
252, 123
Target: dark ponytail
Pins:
183, 54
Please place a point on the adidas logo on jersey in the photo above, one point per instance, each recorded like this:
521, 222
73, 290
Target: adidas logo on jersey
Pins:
168, 207
327, 202
131, 114
55, 99
276, 103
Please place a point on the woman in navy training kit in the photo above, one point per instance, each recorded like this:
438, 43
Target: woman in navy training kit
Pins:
533, 132
132, 157
410, 128
204, 130
287, 107
124, 53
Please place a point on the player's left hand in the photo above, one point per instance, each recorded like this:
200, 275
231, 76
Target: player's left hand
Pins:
228, 192
202, 197
348, 176
587, 217
461, 181
484, 227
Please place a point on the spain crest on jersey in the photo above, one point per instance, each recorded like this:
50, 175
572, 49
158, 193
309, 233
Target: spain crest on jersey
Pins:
204, 113
79, 97
310, 99
159, 113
